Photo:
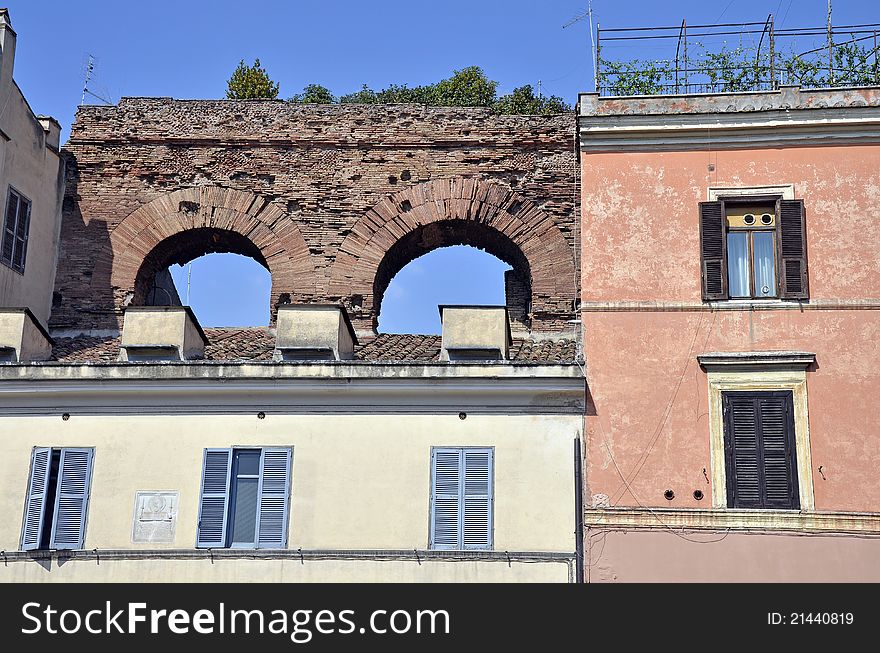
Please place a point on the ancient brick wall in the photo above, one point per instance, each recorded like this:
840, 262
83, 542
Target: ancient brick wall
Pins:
333, 200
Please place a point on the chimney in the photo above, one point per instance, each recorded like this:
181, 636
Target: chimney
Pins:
22, 338
53, 131
474, 333
161, 333
7, 49
310, 332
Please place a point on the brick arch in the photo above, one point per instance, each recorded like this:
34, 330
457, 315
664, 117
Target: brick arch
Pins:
460, 210
241, 222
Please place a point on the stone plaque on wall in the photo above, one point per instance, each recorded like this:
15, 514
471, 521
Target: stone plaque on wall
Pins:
155, 516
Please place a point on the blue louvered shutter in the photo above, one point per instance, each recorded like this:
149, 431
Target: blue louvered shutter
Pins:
273, 498
214, 499
72, 499
476, 499
35, 507
445, 497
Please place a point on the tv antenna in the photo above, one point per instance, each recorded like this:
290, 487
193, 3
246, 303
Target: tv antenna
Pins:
588, 15
90, 69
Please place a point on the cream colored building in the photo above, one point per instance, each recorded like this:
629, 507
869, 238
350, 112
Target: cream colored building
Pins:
31, 189
361, 445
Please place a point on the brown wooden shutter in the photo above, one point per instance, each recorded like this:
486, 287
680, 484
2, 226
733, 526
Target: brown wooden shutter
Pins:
759, 447
792, 250
713, 257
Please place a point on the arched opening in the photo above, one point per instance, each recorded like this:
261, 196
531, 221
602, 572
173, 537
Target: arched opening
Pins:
220, 273
449, 275
473, 264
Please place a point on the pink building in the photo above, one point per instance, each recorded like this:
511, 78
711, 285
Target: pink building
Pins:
730, 289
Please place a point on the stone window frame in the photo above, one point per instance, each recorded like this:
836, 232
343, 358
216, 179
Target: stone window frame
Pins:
756, 372
719, 193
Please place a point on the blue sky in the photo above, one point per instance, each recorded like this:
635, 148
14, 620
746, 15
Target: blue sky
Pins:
187, 49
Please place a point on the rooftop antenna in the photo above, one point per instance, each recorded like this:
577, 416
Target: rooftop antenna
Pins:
90, 69
588, 14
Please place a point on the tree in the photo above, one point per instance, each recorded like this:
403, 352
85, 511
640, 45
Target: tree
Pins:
248, 82
314, 94
468, 87
524, 101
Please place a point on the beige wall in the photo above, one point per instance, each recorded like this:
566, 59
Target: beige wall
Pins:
287, 571
32, 167
359, 481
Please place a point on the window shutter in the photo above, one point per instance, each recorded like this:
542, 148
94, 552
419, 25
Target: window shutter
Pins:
9, 226
777, 439
477, 499
21, 236
273, 496
742, 452
36, 499
214, 499
793, 250
760, 451
72, 499
713, 250
445, 493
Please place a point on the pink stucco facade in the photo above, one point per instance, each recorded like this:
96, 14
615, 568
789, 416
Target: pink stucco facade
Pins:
645, 323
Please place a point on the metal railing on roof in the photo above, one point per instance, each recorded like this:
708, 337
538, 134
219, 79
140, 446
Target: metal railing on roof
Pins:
764, 59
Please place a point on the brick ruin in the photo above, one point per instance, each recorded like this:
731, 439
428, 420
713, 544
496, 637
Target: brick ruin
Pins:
332, 200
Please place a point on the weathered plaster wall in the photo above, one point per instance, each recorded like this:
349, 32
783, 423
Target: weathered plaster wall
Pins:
661, 556
29, 163
334, 200
645, 322
641, 230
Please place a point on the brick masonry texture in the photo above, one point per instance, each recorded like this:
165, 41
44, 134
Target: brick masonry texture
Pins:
258, 343
333, 200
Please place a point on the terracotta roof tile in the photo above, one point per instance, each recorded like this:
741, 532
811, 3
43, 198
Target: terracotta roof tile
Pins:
258, 343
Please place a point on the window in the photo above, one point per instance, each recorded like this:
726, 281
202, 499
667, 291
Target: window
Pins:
57, 499
753, 248
244, 498
15, 230
461, 498
759, 450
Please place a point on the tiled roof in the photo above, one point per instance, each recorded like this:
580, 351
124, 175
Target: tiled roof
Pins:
257, 344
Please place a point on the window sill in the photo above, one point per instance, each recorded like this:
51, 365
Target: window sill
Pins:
753, 304
10, 267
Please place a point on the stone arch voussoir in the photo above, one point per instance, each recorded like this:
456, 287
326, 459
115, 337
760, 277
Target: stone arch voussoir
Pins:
467, 200
265, 225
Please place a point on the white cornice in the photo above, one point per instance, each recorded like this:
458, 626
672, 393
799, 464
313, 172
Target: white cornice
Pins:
221, 395
787, 117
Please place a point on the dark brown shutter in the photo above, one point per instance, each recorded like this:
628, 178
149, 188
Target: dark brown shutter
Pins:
713, 250
759, 447
792, 250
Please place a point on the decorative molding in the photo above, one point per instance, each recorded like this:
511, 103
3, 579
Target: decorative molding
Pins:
730, 305
715, 193
413, 555
368, 390
786, 117
754, 359
755, 378
734, 520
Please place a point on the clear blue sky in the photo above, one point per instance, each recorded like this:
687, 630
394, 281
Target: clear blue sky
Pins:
187, 49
